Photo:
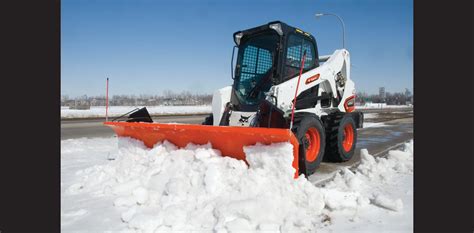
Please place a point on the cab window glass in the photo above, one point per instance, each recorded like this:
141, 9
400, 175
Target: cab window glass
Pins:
294, 54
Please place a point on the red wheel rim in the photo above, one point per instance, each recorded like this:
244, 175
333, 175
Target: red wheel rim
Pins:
348, 137
313, 144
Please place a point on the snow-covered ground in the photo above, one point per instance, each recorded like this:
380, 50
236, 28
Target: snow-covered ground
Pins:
374, 124
130, 188
370, 115
99, 111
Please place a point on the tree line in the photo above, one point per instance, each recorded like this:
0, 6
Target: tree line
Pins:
396, 98
187, 98
167, 98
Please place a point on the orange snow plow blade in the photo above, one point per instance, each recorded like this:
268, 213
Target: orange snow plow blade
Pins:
229, 140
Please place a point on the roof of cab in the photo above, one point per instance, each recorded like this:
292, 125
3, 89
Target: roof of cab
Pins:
286, 29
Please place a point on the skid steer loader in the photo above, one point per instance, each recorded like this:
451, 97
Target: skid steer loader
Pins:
282, 91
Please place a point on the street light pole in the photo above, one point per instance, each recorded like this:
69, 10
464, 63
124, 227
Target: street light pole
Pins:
342, 23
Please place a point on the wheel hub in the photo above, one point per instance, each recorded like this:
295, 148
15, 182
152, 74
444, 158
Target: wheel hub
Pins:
311, 142
348, 137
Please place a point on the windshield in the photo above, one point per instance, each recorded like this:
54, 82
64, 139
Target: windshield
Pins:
253, 69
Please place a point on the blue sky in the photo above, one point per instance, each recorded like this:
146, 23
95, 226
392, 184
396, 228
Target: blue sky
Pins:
146, 46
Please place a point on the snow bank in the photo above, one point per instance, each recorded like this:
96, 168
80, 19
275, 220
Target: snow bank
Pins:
99, 111
375, 196
166, 188
356, 183
195, 189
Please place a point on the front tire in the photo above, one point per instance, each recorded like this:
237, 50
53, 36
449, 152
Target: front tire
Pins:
312, 137
342, 138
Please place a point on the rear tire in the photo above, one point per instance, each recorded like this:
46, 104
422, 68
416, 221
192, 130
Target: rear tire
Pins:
312, 137
342, 138
208, 120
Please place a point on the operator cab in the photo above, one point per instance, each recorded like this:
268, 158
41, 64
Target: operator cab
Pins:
268, 55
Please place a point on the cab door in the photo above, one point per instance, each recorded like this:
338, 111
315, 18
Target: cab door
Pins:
296, 45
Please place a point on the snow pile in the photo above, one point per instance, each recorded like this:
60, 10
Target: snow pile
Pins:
99, 111
372, 192
355, 184
196, 189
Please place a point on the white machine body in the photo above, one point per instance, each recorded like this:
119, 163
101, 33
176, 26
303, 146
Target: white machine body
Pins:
332, 76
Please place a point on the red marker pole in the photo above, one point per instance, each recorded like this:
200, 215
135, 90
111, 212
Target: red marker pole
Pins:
296, 92
107, 101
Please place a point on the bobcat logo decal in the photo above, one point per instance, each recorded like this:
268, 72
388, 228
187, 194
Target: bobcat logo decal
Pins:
244, 119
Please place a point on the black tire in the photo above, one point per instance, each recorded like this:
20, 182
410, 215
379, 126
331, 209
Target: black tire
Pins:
208, 120
340, 146
306, 128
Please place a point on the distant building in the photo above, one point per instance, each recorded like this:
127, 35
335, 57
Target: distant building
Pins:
408, 97
382, 94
